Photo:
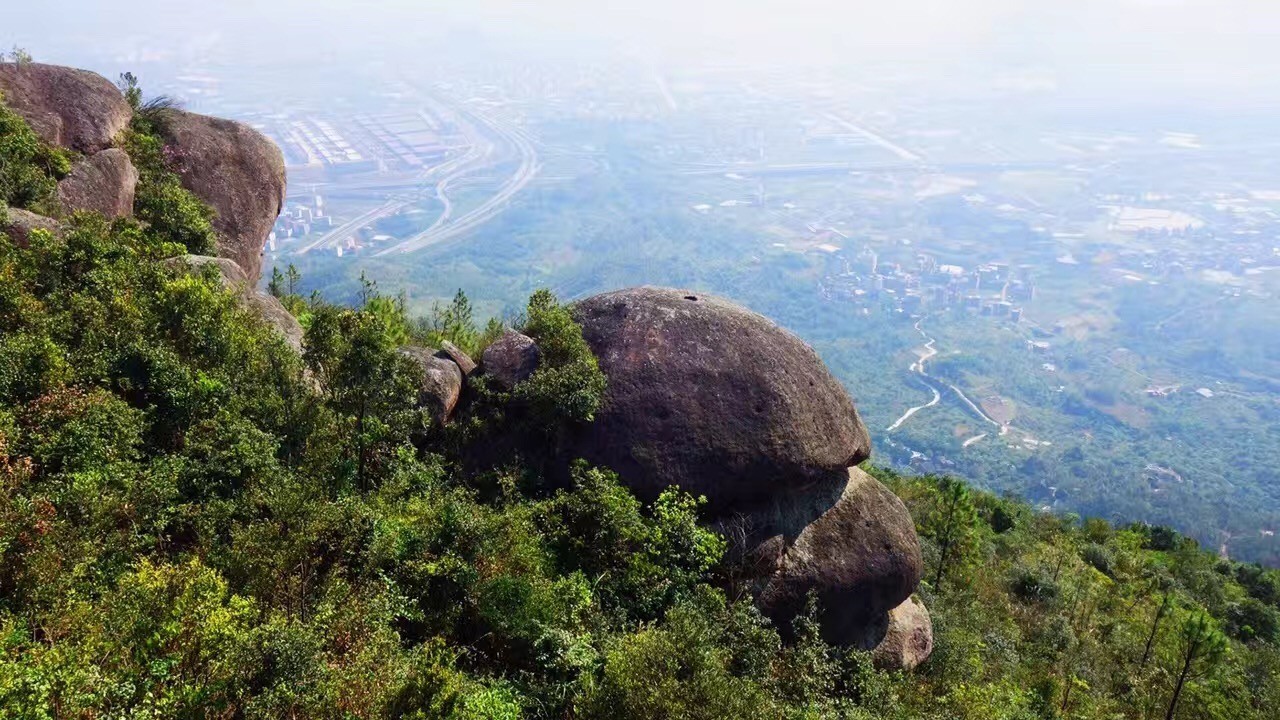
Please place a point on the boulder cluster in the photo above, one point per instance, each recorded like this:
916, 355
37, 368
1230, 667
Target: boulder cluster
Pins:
702, 394
229, 165
507, 361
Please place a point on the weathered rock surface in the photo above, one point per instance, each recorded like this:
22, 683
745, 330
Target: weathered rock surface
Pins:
270, 309
714, 398
232, 275
441, 384
239, 172
461, 359
906, 638
20, 223
103, 183
510, 359
72, 108
856, 547
266, 306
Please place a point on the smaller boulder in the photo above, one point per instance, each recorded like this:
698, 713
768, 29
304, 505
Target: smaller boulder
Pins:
859, 553
461, 359
511, 359
907, 640
75, 109
277, 316
441, 384
102, 183
231, 274
20, 224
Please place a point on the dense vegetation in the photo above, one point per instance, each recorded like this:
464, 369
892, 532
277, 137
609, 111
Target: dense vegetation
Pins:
197, 522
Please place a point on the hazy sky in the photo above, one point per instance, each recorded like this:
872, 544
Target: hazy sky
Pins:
1227, 49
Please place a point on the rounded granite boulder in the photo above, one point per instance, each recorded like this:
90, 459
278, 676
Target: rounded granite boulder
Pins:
860, 554
102, 183
712, 397
907, 638
75, 109
510, 359
19, 224
239, 172
440, 382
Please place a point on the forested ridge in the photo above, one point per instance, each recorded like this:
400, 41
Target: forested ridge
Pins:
198, 521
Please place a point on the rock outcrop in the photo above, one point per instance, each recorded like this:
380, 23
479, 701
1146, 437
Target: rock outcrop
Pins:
19, 224
103, 183
714, 398
71, 108
440, 385
229, 165
510, 359
859, 553
722, 402
239, 172
264, 305
906, 640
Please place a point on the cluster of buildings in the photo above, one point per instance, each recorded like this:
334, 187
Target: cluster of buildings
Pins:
990, 289
299, 219
318, 148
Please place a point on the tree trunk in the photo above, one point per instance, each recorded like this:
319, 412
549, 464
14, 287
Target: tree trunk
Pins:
942, 565
1177, 689
1155, 627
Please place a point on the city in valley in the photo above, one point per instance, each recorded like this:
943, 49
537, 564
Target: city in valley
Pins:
1067, 302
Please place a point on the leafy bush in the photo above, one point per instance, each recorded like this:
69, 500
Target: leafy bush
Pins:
29, 168
1099, 557
1033, 586
171, 212
568, 385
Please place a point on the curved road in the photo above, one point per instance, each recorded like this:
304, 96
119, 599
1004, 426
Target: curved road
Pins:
446, 227
917, 367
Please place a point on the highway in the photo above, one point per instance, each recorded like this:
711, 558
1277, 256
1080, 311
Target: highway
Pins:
479, 150
447, 227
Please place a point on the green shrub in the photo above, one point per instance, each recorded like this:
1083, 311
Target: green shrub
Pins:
29, 168
171, 212
568, 385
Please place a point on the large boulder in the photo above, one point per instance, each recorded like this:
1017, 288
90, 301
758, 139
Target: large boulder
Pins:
714, 398
856, 547
103, 183
266, 306
72, 108
510, 359
239, 172
19, 224
440, 385
906, 639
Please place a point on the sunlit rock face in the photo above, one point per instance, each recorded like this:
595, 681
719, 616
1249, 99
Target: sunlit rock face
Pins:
714, 398
102, 183
722, 402
236, 170
75, 109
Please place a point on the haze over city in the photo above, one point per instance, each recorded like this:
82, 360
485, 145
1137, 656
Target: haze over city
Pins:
494, 360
